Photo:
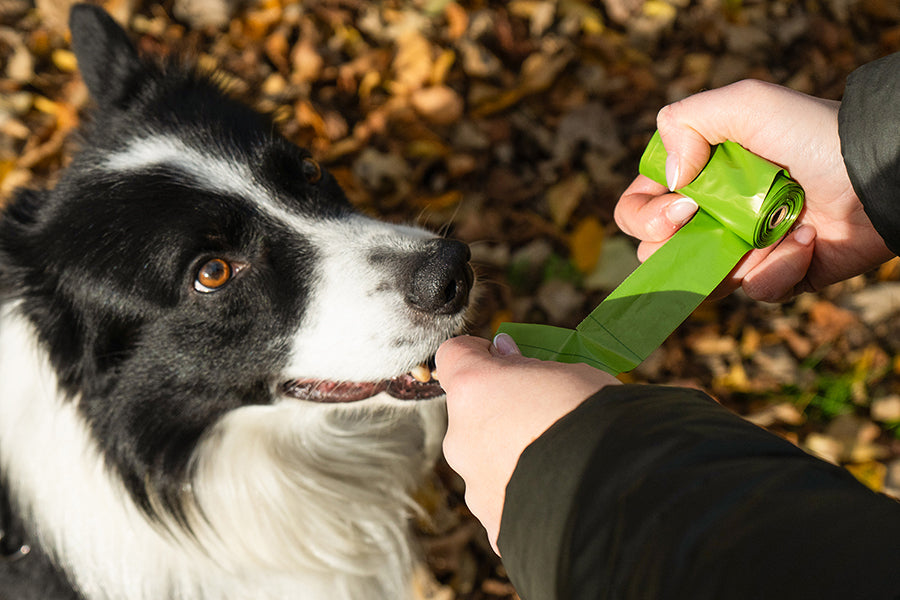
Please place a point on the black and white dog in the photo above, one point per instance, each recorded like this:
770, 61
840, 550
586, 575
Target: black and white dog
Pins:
205, 358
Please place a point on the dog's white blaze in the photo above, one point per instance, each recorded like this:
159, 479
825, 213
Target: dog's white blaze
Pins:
290, 498
214, 172
356, 326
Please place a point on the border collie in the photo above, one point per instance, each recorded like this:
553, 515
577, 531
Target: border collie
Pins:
205, 358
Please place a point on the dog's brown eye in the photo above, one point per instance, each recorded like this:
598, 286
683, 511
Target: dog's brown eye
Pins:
311, 170
212, 275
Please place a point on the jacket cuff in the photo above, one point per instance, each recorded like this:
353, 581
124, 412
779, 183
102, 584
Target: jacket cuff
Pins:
868, 123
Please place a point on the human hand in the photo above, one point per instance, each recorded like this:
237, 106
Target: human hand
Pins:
833, 238
498, 402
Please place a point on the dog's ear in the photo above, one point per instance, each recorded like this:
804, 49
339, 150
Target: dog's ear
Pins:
107, 59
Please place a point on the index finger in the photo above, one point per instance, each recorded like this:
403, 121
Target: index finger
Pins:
645, 211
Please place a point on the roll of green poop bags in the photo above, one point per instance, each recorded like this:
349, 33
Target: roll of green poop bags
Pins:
745, 202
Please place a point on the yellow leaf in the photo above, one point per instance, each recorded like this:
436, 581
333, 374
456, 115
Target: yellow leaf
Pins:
426, 149
750, 341
64, 60
871, 474
592, 24
369, 82
659, 10
586, 244
45, 105
590, 18
501, 102
6, 167
258, 22
442, 66
735, 379
890, 271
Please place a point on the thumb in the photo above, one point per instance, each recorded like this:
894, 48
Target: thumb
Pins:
459, 353
504, 345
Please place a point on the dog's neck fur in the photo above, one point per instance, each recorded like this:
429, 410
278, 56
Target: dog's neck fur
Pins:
248, 531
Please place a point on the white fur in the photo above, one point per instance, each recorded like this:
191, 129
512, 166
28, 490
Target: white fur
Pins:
288, 501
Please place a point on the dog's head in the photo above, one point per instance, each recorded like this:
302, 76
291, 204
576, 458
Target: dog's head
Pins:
192, 263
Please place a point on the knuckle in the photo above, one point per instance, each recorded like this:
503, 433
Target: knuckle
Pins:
657, 227
667, 117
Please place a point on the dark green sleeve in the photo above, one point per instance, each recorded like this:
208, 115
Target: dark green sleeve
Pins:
869, 126
648, 492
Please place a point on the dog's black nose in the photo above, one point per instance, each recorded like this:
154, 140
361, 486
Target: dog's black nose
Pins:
442, 278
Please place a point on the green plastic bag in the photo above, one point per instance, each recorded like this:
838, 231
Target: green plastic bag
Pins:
745, 202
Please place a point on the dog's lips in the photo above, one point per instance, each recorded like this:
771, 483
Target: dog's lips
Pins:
403, 387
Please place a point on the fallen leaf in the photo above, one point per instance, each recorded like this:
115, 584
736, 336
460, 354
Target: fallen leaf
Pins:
829, 322
886, 409
781, 413
478, 61
457, 20
306, 64
438, 104
540, 70
412, 66
564, 197
586, 243
870, 473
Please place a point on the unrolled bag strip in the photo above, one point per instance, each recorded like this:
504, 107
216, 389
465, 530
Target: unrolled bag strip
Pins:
745, 202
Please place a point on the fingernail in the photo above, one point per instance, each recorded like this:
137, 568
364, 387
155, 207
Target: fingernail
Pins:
681, 211
673, 170
804, 235
505, 345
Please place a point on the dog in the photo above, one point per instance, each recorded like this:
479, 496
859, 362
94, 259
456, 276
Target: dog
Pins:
213, 371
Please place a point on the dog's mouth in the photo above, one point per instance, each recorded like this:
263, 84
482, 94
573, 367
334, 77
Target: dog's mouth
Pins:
417, 384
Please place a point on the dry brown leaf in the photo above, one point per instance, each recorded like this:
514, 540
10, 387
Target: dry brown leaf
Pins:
829, 322
564, 197
278, 48
412, 67
540, 70
438, 104
457, 20
306, 64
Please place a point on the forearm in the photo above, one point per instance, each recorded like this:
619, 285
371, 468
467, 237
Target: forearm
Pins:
673, 496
